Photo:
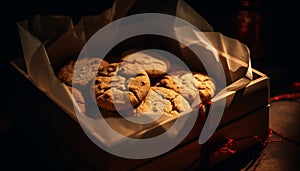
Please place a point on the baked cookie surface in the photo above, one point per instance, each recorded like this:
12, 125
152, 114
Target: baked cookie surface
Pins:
163, 100
205, 85
154, 64
120, 84
189, 85
83, 73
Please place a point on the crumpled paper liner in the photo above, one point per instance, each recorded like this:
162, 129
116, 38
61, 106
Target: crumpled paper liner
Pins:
47, 48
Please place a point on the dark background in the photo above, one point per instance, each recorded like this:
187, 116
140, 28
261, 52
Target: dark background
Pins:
274, 51
272, 38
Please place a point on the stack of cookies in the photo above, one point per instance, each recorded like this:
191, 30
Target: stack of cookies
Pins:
140, 83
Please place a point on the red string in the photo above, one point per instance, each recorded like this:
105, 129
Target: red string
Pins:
201, 105
286, 96
228, 147
296, 84
264, 145
207, 103
204, 108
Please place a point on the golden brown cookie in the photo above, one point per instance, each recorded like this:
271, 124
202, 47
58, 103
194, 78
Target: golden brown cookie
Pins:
189, 85
154, 64
121, 84
78, 97
82, 74
163, 100
205, 85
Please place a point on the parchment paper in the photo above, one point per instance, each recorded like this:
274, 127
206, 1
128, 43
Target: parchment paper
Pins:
47, 48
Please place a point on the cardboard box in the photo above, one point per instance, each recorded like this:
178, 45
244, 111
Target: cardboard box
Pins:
192, 156
237, 122
246, 94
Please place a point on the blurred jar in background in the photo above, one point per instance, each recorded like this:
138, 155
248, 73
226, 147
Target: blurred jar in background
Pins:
248, 27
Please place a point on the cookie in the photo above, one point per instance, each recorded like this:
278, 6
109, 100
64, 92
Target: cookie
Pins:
83, 73
120, 84
205, 85
66, 72
189, 85
163, 100
153, 64
78, 97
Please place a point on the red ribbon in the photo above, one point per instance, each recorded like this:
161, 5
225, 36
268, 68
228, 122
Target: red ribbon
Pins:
286, 96
229, 145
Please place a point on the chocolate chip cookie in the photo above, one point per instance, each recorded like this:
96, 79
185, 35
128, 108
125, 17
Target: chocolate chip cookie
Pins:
120, 84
